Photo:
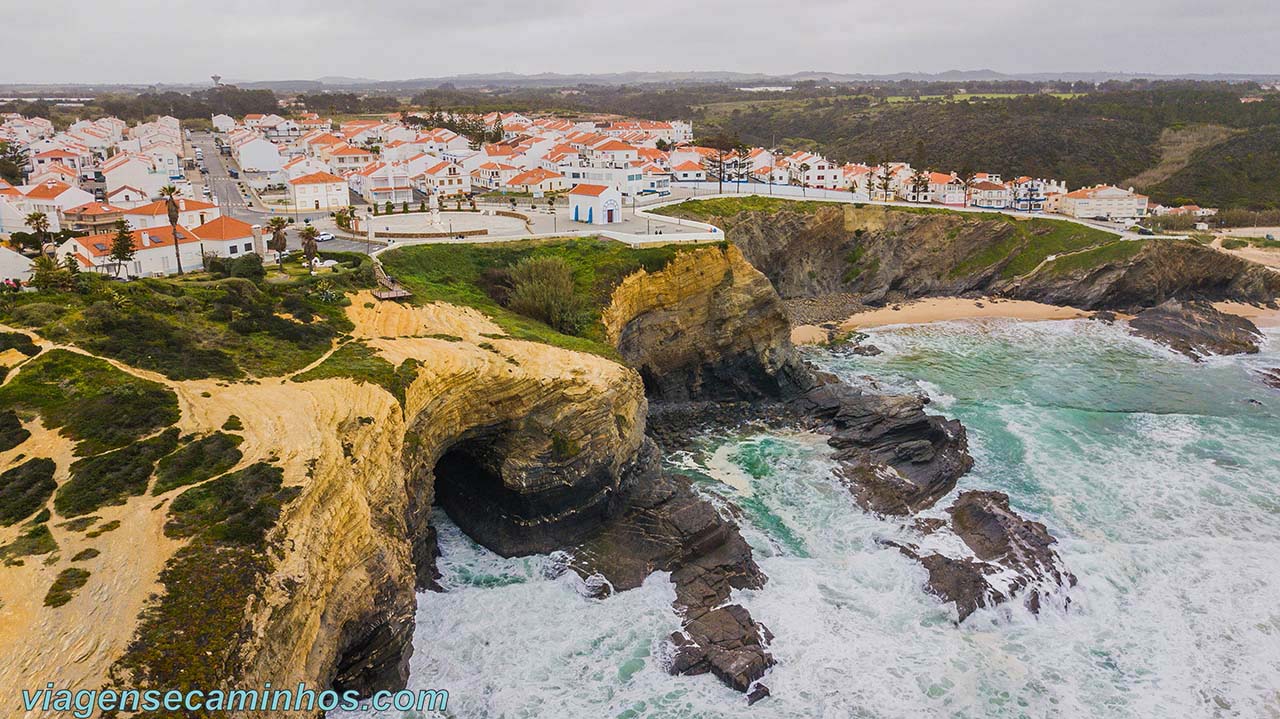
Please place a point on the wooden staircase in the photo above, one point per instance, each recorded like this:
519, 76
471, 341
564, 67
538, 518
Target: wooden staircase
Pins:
391, 290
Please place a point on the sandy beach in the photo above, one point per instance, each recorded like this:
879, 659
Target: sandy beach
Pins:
1261, 316
941, 309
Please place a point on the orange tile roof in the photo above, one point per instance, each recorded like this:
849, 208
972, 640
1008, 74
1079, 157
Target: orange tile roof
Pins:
48, 190
94, 208
224, 228
160, 208
316, 178
100, 245
688, 166
533, 177
588, 190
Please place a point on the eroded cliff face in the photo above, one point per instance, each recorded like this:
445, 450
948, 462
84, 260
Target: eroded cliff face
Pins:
547, 439
708, 326
881, 255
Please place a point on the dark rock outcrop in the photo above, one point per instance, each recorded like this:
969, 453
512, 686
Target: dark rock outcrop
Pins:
668, 527
895, 458
1270, 377
1196, 329
1010, 555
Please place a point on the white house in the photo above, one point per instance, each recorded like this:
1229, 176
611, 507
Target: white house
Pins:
255, 153
382, 182
688, 171
153, 252
537, 180
494, 175
595, 204
946, 189
191, 213
136, 171
223, 123
53, 198
1104, 201
443, 178
319, 191
14, 266
990, 195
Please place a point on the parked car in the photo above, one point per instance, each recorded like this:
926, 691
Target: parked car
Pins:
324, 237
234, 174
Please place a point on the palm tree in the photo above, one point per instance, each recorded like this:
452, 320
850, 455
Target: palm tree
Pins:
279, 241
170, 195
39, 224
309, 249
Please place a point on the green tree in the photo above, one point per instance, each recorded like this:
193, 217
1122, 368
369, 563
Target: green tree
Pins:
39, 224
121, 245
12, 158
279, 240
309, 248
170, 195
47, 274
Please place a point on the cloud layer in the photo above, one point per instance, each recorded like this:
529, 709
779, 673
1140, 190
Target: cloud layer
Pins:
144, 41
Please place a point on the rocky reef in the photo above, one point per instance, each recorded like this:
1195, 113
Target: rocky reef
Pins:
1012, 556
895, 458
1196, 329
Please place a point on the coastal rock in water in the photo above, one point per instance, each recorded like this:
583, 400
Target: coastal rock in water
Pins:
1270, 377
1011, 554
1196, 329
895, 458
668, 527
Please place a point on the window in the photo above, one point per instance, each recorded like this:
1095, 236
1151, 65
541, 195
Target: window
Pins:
248, 247
234, 250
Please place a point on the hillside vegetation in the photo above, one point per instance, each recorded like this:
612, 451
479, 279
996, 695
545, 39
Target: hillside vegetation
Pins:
483, 276
200, 325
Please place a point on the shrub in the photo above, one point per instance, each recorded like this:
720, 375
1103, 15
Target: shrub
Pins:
111, 478
85, 554
205, 458
37, 314
18, 341
35, 541
25, 488
237, 508
543, 288
233, 424
12, 433
65, 586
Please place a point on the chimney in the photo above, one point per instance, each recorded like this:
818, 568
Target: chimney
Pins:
258, 245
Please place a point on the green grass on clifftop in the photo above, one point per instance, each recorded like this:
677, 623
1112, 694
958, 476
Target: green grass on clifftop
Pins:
356, 360
113, 477
199, 325
473, 275
91, 401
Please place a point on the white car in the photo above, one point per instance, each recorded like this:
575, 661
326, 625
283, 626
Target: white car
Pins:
324, 237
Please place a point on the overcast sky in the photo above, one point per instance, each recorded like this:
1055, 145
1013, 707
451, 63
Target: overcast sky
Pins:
144, 41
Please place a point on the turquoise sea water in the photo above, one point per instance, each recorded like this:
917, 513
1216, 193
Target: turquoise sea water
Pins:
1160, 477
